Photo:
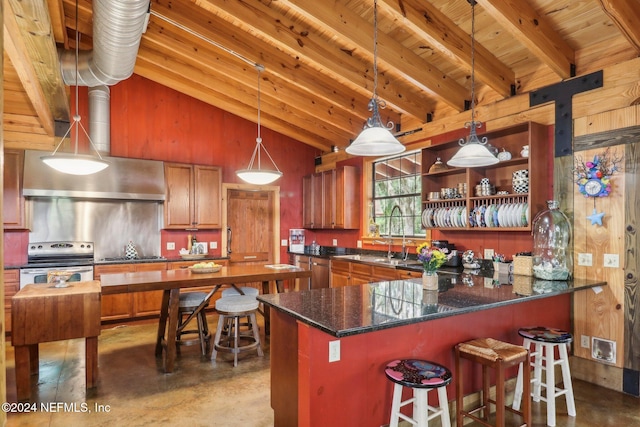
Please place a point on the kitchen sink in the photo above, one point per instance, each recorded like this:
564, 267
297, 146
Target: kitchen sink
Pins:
378, 260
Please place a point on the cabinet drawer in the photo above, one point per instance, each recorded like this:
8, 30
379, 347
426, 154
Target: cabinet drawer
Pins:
384, 273
340, 266
406, 274
361, 269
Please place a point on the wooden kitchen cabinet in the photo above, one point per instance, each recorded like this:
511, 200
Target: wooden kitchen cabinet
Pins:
194, 194
13, 216
125, 306
331, 199
113, 307
347, 273
11, 287
147, 303
340, 273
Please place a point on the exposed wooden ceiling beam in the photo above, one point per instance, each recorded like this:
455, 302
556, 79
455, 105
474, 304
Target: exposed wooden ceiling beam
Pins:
332, 64
394, 58
30, 46
533, 30
287, 98
428, 23
626, 15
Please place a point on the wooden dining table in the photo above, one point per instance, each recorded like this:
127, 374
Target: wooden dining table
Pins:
172, 281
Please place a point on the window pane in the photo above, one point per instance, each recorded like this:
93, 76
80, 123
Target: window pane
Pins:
398, 183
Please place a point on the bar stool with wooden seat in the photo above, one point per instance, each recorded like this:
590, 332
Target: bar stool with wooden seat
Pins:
500, 356
421, 376
190, 306
542, 342
235, 307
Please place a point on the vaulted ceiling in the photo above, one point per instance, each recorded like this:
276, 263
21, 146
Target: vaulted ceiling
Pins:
318, 57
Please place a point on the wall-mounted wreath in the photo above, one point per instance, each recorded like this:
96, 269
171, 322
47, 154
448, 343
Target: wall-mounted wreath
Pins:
594, 177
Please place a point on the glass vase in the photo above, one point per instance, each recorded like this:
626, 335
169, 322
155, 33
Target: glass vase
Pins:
552, 246
430, 280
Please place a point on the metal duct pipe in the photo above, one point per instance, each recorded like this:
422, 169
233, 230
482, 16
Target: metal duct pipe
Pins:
117, 30
100, 118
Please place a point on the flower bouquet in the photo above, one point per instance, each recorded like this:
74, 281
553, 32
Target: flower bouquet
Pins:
432, 259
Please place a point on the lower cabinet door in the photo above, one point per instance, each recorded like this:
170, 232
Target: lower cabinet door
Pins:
115, 307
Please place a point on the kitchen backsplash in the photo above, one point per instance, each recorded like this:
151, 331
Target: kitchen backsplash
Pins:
110, 224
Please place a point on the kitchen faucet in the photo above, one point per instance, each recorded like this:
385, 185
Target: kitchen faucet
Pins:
390, 240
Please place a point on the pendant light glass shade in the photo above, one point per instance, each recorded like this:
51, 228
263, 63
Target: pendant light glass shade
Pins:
259, 176
76, 164
473, 152
376, 138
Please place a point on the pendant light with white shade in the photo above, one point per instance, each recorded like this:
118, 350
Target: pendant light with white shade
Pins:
258, 175
473, 152
376, 138
74, 163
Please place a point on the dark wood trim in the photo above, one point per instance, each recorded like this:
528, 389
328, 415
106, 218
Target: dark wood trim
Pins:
628, 135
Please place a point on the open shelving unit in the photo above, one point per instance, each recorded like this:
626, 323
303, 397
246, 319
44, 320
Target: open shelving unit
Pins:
447, 212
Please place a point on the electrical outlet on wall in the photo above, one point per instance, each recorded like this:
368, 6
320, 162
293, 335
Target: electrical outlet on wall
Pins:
334, 351
611, 260
488, 253
584, 341
335, 242
171, 246
213, 245
585, 260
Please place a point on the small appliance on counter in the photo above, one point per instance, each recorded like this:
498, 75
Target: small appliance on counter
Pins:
456, 258
296, 240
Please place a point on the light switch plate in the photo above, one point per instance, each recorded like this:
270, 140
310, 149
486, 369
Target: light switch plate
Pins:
213, 245
171, 246
334, 351
359, 244
283, 242
335, 242
585, 260
611, 260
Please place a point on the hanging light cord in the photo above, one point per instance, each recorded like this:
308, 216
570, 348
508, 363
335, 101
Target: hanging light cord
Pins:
257, 150
76, 115
375, 104
473, 61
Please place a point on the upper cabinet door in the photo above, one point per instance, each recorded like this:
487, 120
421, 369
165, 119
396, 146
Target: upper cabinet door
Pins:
193, 196
207, 196
13, 202
178, 205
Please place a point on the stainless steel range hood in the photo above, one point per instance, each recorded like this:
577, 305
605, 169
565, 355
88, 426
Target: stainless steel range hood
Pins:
128, 179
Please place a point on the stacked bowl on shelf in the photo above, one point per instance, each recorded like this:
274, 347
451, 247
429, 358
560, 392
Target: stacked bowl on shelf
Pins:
520, 181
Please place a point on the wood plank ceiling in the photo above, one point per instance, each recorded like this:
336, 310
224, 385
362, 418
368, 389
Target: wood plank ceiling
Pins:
318, 57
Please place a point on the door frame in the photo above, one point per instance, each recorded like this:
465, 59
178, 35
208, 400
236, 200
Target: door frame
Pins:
275, 190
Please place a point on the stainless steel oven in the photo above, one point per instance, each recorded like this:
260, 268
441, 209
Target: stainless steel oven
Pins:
43, 258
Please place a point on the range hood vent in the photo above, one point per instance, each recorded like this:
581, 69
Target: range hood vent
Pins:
128, 179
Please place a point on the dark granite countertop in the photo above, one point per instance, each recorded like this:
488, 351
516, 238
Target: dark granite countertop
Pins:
358, 309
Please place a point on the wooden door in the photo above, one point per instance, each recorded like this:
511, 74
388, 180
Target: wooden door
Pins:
250, 232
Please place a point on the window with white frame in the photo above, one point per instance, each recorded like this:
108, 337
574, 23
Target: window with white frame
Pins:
397, 182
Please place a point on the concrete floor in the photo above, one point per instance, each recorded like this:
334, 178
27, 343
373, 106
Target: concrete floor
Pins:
133, 390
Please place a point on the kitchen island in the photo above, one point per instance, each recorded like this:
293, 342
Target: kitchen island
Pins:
379, 322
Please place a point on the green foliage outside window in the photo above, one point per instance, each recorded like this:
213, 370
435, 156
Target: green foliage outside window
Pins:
397, 181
